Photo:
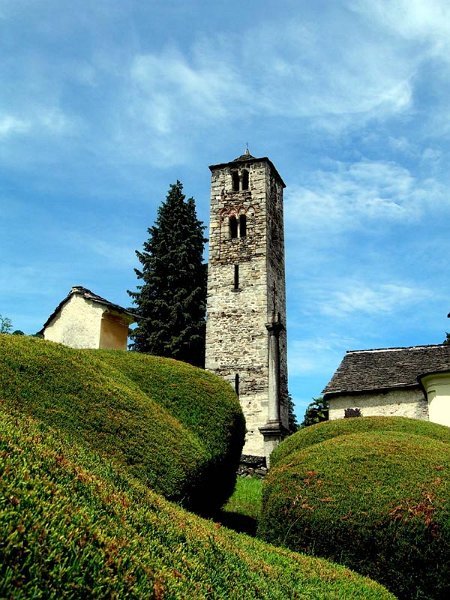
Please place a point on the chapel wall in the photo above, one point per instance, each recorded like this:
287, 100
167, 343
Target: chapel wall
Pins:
409, 403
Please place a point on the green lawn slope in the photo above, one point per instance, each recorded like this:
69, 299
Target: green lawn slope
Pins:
157, 417
369, 493
76, 525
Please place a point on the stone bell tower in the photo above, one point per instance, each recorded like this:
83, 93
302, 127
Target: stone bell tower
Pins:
246, 306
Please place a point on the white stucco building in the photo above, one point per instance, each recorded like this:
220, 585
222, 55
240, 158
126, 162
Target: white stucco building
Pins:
408, 382
85, 320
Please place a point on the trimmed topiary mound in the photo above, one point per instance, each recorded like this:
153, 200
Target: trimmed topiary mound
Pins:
76, 525
330, 429
133, 409
201, 402
377, 501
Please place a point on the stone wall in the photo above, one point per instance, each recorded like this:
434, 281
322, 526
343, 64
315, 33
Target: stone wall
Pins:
252, 466
399, 403
246, 286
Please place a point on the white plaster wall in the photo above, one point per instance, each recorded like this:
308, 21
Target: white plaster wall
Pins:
113, 332
394, 403
438, 394
77, 325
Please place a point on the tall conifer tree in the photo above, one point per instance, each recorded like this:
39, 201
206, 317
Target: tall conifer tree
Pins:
171, 301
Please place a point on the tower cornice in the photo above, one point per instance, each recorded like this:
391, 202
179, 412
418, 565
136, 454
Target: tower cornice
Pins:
246, 160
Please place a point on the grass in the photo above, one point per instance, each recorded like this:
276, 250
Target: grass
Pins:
369, 493
243, 509
247, 497
75, 524
157, 417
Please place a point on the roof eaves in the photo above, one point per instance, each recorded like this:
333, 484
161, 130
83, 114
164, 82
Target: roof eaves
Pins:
344, 392
394, 348
87, 295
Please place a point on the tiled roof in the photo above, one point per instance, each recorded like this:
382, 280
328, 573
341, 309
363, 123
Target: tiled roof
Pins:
387, 368
88, 295
246, 156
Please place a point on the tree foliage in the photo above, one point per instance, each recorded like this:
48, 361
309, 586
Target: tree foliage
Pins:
447, 339
170, 303
5, 324
316, 412
293, 425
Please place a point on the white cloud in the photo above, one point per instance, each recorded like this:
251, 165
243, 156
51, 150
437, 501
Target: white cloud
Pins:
22, 280
10, 125
283, 69
39, 121
118, 254
169, 89
304, 68
317, 355
334, 75
424, 20
355, 298
358, 195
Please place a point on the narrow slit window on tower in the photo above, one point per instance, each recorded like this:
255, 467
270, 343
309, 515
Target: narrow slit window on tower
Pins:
235, 176
245, 179
233, 227
236, 384
236, 277
242, 226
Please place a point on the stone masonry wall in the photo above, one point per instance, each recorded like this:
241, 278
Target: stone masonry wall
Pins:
236, 334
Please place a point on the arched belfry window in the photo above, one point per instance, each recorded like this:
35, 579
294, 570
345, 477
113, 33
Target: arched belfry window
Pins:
245, 179
235, 177
242, 226
233, 225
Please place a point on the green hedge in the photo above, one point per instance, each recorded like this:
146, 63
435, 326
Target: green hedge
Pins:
133, 409
204, 404
75, 525
377, 500
324, 431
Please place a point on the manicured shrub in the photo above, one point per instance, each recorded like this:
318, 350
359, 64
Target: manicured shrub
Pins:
76, 525
201, 402
372, 497
315, 434
96, 399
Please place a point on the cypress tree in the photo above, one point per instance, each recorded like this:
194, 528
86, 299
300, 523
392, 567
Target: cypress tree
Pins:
171, 301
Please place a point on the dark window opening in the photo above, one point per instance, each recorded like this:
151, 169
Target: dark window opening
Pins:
236, 277
235, 176
242, 226
233, 227
245, 180
236, 384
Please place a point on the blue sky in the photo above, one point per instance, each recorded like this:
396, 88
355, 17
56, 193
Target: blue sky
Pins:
104, 104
